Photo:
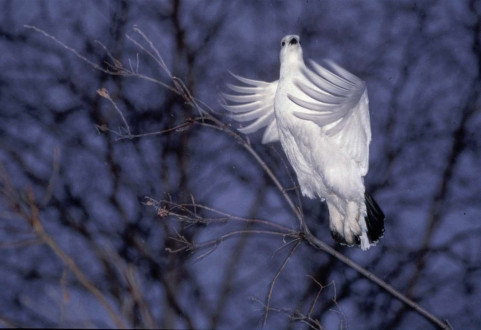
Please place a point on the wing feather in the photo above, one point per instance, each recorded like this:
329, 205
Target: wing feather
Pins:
337, 101
251, 115
243, 89
242, 107
250, 82
271, 134
259, 123
324, 97
254, 102
242, 98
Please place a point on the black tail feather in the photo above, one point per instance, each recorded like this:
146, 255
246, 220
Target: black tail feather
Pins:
341, 240
338, 237
374, 219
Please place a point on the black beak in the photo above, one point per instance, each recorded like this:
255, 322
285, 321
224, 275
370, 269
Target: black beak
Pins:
293, 41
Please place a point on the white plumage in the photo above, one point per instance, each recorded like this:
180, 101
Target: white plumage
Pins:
321, 117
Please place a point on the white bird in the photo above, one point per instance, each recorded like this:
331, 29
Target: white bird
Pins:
321, 118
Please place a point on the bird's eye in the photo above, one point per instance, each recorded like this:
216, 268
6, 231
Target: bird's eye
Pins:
283, 43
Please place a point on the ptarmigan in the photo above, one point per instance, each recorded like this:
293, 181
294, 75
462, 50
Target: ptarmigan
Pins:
320, 115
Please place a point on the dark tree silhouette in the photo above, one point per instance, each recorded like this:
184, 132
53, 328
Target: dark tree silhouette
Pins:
128, 199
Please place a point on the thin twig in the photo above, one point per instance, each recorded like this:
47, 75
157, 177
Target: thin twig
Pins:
293, 315
52, 244
28, 210
222, 127
193, 216
271, 287
118, 71
313, 305
318, 244
128, 273
157, 56
219, 239
72, 50
105, 94
51, 182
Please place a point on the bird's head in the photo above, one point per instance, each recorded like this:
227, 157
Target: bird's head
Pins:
291, 50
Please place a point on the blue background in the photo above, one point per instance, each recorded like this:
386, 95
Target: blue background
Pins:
421, 61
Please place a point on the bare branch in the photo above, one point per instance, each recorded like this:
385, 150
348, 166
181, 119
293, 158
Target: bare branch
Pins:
31, 214
105, 94
294, 315
273, 282
318, 244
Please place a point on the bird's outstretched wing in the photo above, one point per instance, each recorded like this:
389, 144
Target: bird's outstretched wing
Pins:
254, 102
337, 101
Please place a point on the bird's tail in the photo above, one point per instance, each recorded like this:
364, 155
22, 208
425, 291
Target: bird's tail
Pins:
374, 219
371, 223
